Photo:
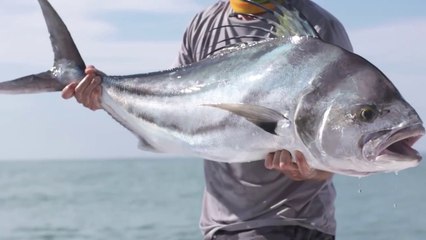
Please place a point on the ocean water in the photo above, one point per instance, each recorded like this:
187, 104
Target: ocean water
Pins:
161, 199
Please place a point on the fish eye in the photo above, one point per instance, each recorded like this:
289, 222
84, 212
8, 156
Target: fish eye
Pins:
368, 113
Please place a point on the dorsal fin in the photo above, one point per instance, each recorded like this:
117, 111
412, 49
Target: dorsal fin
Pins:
233, 48
290, 22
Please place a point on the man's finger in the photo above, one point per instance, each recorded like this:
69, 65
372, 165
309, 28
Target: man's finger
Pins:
268, 160
95, 99
286, 160
90, 70
276, 160
82, 85
89, 98
96, 82
304, 167
96, 93
69, 90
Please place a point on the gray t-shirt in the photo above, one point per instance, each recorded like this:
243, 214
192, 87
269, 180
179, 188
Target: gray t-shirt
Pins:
247, 195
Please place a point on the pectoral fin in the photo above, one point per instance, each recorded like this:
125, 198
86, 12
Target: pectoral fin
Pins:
263, 117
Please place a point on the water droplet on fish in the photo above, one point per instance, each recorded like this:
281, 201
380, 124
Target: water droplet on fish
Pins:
179, 77
359, 185
395, 205
396, 173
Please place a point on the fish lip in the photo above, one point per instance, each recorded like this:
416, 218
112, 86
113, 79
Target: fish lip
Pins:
397, 145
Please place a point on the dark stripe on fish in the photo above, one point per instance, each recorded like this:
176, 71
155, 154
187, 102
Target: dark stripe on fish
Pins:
226, 122
147, 90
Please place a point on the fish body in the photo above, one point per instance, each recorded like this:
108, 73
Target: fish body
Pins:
294, 93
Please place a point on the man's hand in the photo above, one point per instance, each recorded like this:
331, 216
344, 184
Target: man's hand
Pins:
297, 171
87, 91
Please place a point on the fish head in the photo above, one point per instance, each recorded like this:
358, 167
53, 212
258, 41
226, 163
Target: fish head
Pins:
355, 122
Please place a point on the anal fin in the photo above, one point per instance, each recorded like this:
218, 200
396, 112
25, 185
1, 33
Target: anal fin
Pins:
146, 146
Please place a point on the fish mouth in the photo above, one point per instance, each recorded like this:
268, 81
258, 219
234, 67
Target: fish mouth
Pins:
398, 145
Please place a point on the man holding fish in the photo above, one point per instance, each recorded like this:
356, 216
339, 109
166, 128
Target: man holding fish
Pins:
279, 197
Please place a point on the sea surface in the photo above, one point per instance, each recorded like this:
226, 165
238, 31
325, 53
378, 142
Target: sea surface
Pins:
161, 199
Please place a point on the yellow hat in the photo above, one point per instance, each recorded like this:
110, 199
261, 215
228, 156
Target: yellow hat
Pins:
247, 8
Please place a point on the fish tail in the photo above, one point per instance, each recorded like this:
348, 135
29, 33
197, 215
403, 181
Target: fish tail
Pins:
68, 64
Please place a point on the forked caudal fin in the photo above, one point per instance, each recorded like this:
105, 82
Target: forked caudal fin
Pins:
68, 65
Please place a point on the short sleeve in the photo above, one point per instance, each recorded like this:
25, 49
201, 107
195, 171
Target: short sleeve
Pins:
329, 28
185, 55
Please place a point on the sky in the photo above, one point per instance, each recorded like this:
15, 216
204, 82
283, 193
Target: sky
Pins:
133, 36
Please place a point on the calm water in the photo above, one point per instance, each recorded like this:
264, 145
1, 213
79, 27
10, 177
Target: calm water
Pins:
160, 199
